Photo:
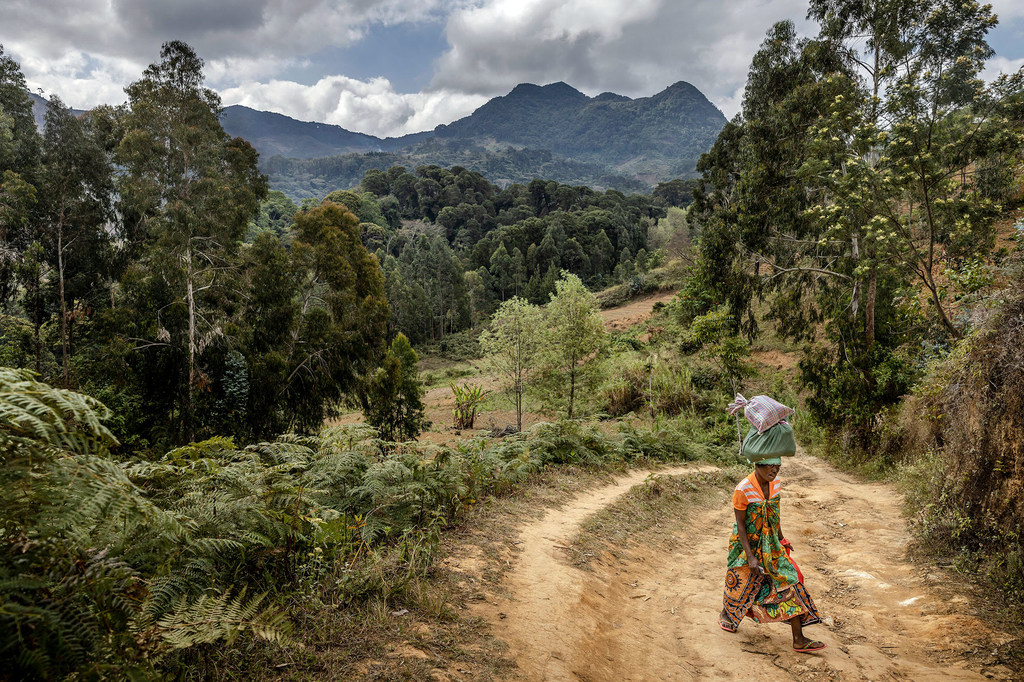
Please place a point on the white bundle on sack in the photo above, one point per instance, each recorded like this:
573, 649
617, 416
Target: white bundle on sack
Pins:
761, 411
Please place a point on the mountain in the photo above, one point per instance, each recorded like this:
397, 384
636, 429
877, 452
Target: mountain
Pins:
39, 109
278, 135
552, 131
645, 135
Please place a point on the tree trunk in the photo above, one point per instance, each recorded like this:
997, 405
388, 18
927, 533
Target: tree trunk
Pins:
869, 309
572, 390
190, 298
855, 252
519, 406
63, 302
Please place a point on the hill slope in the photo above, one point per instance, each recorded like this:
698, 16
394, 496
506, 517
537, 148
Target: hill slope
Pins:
552, 131
664, 134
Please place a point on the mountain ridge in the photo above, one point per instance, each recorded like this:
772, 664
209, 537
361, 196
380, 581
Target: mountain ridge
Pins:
555, 116
550, 131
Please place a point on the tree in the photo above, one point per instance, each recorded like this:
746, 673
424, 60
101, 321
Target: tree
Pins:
277, 212
518, 270
512, 347
501, 270
19, 159
575, 337
192, 190
272, 320
862, 161
341, 322
77, 181
676, 192
392, 395
911, 187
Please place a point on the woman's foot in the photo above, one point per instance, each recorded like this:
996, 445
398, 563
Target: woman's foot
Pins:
806, 646
726, 624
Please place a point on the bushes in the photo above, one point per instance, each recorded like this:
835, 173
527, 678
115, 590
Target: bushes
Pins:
963, 426
662, 386
121, 569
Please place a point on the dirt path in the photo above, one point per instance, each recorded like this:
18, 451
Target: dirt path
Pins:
634, 312
654, 617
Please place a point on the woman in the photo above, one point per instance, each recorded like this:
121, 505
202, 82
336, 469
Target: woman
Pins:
762, 582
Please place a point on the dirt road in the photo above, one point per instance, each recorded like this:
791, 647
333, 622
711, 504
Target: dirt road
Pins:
653, 617
634, 312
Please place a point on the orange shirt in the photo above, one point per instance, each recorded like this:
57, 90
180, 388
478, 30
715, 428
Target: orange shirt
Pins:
749, 490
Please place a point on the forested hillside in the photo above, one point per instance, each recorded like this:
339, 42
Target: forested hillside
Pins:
553, 132
306, 178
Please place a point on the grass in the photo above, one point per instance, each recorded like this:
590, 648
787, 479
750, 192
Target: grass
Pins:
649, 514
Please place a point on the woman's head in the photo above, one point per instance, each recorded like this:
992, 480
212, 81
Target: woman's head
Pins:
768, 469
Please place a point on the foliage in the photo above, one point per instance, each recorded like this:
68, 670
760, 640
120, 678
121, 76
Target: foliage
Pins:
712, 333
84, 575
342, 316
863, 165
392, 396
19, 160
655, 384
191, 190
959, 439
574, 338
467, 401
455, 246
76, 208
513, 347
276, 214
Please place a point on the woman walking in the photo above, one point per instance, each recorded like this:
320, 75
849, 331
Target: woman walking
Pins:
762, 582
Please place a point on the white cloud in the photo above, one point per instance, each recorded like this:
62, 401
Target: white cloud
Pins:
371, 107
998, 65
268, 33
1007, 9
82, 81
88, 50
632, 47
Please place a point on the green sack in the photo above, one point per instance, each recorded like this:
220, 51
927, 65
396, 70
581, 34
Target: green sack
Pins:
777, 441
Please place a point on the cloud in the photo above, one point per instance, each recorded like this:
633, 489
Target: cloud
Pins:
256, 51
82, 81
998, 65
371, 106
1007, 9
632, 47
272, 32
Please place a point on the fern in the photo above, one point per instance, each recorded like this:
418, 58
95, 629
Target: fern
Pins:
212, 618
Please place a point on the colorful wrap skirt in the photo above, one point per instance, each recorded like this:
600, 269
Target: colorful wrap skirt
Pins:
776, 595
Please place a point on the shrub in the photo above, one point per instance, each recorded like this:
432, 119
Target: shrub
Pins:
964, 424
468, 398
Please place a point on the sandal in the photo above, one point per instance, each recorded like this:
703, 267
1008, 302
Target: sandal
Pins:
810, 647
727, 625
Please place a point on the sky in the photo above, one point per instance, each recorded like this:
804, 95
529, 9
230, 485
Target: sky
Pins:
391, 67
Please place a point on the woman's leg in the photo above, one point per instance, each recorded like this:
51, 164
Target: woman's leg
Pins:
726, 622
800, 642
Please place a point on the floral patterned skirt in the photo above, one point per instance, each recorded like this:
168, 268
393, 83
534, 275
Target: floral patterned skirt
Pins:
756, 597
